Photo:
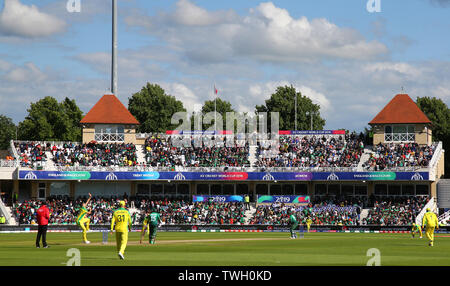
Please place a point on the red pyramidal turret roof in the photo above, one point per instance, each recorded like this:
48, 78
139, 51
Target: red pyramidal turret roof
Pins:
401, 109
109, 110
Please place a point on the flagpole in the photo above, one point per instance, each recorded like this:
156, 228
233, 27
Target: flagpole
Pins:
215, 108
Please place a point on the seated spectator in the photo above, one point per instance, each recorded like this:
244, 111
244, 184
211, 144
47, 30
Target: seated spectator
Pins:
387, 156
308, 152
395, 211
31, 154
95, 154
161, 151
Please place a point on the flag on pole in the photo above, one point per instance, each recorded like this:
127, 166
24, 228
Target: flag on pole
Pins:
215, 90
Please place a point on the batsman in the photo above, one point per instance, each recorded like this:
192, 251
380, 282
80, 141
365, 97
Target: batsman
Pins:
430, 223
293, 224
151, 221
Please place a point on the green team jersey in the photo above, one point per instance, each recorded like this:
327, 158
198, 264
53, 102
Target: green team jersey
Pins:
152, 219
292, 219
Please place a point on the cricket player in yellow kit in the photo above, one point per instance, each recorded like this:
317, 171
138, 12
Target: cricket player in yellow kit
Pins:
416, 229
308, 223
430, 222
82, 219
121, 222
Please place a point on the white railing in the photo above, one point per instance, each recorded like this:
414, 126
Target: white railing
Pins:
12, 150
432, 205
306, 169
8, 163
443, 218
434, 161
109, 137
399, 137
151, 169
4, 211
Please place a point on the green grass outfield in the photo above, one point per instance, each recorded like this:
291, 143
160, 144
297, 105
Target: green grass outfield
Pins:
228, 249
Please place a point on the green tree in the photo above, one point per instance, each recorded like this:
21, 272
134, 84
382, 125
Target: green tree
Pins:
154, 109
439, 114
283, 102
74, 130
49, 120
221, 106
7, 131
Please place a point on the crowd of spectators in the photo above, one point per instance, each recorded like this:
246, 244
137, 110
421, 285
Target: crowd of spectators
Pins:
198, 213
31, 154
311, 151
64, 211
162, 151
94, 154
389, 211
391, 155
215, 151
395, 211
327, 212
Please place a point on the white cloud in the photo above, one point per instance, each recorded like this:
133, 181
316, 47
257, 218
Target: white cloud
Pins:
17, 19
190, 101
189, 14
23, 74
268, 33
397, 67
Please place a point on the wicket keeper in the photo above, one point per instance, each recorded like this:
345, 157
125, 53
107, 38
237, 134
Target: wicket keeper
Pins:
430, 222
121, 222
83, 221
151, 222
293, 224
416, 229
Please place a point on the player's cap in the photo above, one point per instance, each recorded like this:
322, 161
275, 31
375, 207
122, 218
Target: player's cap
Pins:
428, 209
122, 203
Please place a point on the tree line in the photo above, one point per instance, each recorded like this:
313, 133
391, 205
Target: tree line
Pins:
50, 120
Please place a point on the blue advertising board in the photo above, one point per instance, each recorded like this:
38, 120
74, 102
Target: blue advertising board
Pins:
302, 200
218, 199
224, 176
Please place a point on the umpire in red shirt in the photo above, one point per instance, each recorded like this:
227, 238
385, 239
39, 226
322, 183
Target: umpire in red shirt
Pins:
43, 215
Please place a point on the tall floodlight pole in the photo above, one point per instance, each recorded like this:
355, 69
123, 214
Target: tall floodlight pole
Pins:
295, 108
295, 111
114, 48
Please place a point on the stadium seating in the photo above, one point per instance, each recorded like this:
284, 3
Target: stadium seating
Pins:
388, 156
31, 154
311, 151
395, 211
94, 154
65, 210
182, 153
327, 212
161, 151
387, 211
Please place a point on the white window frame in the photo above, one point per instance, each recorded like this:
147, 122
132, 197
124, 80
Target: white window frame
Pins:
399, 137
114, 136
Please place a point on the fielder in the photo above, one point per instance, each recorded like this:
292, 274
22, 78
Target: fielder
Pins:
121, 223
416, 229
293, 224
308, 223
151, 222
430, 222
83, 221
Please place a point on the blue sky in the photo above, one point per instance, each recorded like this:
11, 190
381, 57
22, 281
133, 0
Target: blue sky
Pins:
346, 59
